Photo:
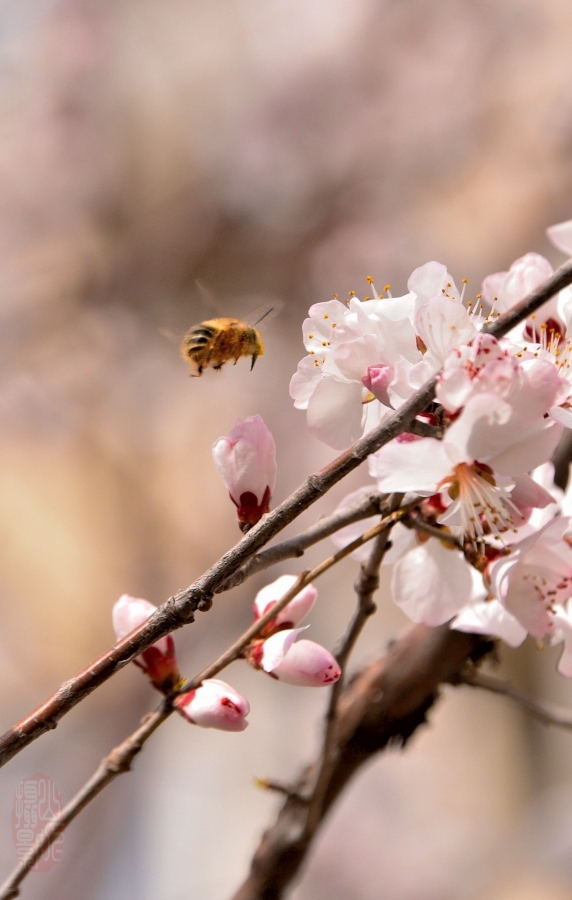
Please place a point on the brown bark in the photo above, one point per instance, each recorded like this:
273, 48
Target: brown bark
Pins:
385, 704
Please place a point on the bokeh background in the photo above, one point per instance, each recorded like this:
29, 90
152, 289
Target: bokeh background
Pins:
271, 149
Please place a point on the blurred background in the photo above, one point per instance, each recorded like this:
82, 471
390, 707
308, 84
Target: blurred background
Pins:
277, 149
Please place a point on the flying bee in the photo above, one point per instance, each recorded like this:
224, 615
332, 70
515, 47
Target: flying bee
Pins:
214, 342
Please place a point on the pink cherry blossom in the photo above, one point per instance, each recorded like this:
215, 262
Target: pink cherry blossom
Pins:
535, 579
490, 442
158, 661
563, 633
431, 583
483, 366
308, 664
214, 704
302, 663
364, 359
294, 612
505, 289
432, 280
377, 381
561, 236
490, 617
246, 460
443, 324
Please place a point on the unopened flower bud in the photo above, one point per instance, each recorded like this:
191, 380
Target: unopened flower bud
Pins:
214, 704
377, 381
158, 661
303, 663
246, 460
294, 612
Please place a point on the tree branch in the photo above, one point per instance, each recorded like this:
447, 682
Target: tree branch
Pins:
366, 585
116, 763
385, 704
120, 759
440, 532
180, 609
294, 547
540, 709
381, 531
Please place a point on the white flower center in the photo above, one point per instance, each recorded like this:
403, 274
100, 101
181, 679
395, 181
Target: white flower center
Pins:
485, 507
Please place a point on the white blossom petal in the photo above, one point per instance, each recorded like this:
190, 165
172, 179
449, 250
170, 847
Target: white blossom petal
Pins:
432, 583
335, 412
490, 618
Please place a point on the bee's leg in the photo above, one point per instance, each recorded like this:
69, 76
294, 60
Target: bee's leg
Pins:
254, 358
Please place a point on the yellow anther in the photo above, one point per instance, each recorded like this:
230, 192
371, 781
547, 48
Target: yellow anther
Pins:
465, 280
387, 287
352, 293
369, 279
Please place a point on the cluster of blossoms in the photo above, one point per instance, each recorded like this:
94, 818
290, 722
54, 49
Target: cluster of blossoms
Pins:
276, 651
504, 564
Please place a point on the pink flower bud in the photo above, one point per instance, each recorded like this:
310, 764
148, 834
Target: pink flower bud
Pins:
294, 612
377, 381
158, 661
214, 705
303, 663
246, 460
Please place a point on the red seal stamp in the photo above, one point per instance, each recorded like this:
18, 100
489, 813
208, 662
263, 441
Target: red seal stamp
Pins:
36, 801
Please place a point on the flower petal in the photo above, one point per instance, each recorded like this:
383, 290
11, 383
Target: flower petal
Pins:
490, 618
335, 412
432, 583
295, 611
416, 466
307, 664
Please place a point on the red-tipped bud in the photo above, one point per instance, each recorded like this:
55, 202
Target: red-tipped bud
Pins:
301, 663
377, 381
158, 661
246, 460
214, 704
294, 612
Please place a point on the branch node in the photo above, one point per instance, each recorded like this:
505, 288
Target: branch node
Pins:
205, 602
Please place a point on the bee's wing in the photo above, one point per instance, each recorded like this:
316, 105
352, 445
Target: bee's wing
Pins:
208, 299
265, 312
170, 335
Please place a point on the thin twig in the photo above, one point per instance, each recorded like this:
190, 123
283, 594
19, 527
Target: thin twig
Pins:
440, 532
542, 710
235, 651
116, 763
294, 547
366, 585
119, 760
385, 704
424, 429
180, 609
